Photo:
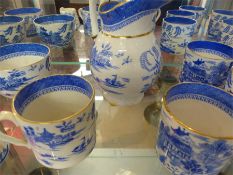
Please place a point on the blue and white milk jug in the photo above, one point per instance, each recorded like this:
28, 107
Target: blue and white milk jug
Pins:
125, 60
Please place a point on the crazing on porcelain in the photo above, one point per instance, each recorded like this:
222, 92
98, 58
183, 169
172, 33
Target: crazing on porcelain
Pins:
183, 151
176, 36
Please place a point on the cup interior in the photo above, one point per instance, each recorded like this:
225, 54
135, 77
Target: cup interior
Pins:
180, 12
211, 50
191, 7
10, 20
179, 20
22, 11
202, 108
53, 98
16, 56
50, 19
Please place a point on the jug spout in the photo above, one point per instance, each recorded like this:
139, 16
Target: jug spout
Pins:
118, 15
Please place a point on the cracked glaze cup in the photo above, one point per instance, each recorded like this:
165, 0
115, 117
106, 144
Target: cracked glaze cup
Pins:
195, 132
61, 133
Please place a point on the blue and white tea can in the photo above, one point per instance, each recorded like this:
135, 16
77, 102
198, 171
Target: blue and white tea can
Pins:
195, 133
207, 62
215, 24
177, 32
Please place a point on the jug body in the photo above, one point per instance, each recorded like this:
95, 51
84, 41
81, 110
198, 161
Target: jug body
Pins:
126, 59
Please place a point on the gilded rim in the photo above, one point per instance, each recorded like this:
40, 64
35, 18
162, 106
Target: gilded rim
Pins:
212, 58
125, 37
47, 56
20, 117
113, 8
167, 110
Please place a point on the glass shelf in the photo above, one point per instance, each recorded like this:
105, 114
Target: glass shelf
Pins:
125, 140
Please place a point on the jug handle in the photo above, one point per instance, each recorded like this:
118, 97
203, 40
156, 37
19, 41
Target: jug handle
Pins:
158, 15
5, 115
80, 13
93, 12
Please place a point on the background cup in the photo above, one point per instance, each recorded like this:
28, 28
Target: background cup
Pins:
199, 11
11, 30
215, 24
85, 16
21, 64
229, 82
207, 62
55, 30
181, 13
72, 12
187, 143
60, 133
29, 14
227, 32
177, 32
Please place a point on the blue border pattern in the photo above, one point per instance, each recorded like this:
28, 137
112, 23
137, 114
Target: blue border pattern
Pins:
51, 89
203, 92
120, 25
29, 53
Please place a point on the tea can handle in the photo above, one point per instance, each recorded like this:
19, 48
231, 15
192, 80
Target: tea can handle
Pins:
80, 13
158, 15
5, 115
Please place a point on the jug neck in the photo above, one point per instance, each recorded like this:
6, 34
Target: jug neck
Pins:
138, 24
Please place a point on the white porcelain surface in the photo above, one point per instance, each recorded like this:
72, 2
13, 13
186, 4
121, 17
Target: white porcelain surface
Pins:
18, 67
59, 137
72, 12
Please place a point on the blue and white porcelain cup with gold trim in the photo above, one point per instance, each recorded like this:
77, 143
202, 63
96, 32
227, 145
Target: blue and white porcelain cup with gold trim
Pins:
57, 117
20, 64
11, 30
177, 32
199, 11
207, 62
215, 23
227, 32
28, 14
195, 133
181, 13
